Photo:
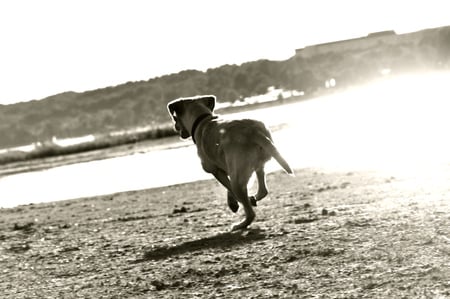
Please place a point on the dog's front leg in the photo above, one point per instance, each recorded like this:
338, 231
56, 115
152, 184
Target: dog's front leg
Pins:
222, 177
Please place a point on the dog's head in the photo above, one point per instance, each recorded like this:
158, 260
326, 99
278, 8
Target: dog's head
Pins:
185, 111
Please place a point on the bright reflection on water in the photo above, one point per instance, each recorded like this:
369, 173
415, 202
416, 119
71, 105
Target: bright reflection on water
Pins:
397, 126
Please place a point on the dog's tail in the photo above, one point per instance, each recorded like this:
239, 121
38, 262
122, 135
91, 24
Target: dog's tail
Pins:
267, 144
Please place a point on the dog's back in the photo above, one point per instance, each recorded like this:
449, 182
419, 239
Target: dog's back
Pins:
250, 138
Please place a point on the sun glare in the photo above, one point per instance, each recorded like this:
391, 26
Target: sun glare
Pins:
398, 125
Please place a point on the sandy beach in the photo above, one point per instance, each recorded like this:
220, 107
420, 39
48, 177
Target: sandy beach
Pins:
318, 235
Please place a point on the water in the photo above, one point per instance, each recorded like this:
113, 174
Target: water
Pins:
397, 127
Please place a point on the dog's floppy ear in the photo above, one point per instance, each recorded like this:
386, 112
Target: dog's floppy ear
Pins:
209, 101
171, 106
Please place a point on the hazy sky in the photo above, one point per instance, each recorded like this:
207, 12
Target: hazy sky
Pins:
52, 46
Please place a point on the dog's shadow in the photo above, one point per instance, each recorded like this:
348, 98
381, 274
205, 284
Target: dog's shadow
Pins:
221, 241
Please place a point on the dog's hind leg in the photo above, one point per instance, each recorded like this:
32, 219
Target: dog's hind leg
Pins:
239, 188
262, 188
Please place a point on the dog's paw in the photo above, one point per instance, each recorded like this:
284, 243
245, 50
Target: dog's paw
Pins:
239, 226
233, 204
252, 200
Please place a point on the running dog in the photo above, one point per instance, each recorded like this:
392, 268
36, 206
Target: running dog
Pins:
229, 150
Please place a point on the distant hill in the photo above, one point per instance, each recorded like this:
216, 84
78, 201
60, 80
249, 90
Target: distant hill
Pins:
143, 103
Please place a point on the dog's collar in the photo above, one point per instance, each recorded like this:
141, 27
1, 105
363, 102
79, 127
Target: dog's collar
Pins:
197, 123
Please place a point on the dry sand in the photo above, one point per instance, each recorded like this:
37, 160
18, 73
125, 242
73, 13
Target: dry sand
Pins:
318, 235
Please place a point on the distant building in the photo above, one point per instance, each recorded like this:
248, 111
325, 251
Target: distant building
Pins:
360, 43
